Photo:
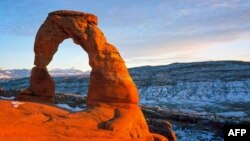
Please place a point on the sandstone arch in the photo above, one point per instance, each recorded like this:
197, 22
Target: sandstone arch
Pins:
109, 80
112, 100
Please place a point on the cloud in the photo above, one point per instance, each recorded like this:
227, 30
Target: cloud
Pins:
173, 22
226, 4
134, 19
153, 61
169, 29
191, 52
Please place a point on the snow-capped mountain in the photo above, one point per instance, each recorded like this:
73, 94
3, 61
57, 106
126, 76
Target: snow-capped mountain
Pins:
14, 73
4, 75
205, 80
22, 73
67, 72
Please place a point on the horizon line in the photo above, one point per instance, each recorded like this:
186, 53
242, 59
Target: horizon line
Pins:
177, 62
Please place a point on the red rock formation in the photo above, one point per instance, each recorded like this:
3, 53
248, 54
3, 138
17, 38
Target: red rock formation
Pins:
112, 98
109, 79
28, 121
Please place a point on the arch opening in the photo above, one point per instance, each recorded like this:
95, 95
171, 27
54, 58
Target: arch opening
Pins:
70, 67
70, 55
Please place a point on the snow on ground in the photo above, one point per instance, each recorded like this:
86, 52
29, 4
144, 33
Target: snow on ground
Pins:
7, 98
16, 104
233, 114
190, 134
66, 106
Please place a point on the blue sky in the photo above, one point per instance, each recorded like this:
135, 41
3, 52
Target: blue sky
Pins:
146, 32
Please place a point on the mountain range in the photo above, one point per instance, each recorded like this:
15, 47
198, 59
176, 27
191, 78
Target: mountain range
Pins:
22, 73
221, 87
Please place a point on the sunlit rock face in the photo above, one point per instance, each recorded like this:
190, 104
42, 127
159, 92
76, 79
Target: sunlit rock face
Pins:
28, 121
109, 79
112, 100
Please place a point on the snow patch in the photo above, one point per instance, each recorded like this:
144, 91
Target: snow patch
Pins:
66, 106
8, 72
5, 76
16, 104
189, 134
7, 98
233, 114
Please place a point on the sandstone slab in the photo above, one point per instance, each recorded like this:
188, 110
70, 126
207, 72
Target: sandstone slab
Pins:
28, 121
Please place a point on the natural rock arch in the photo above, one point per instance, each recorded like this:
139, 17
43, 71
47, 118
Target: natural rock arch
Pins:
109, 79
112, 100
